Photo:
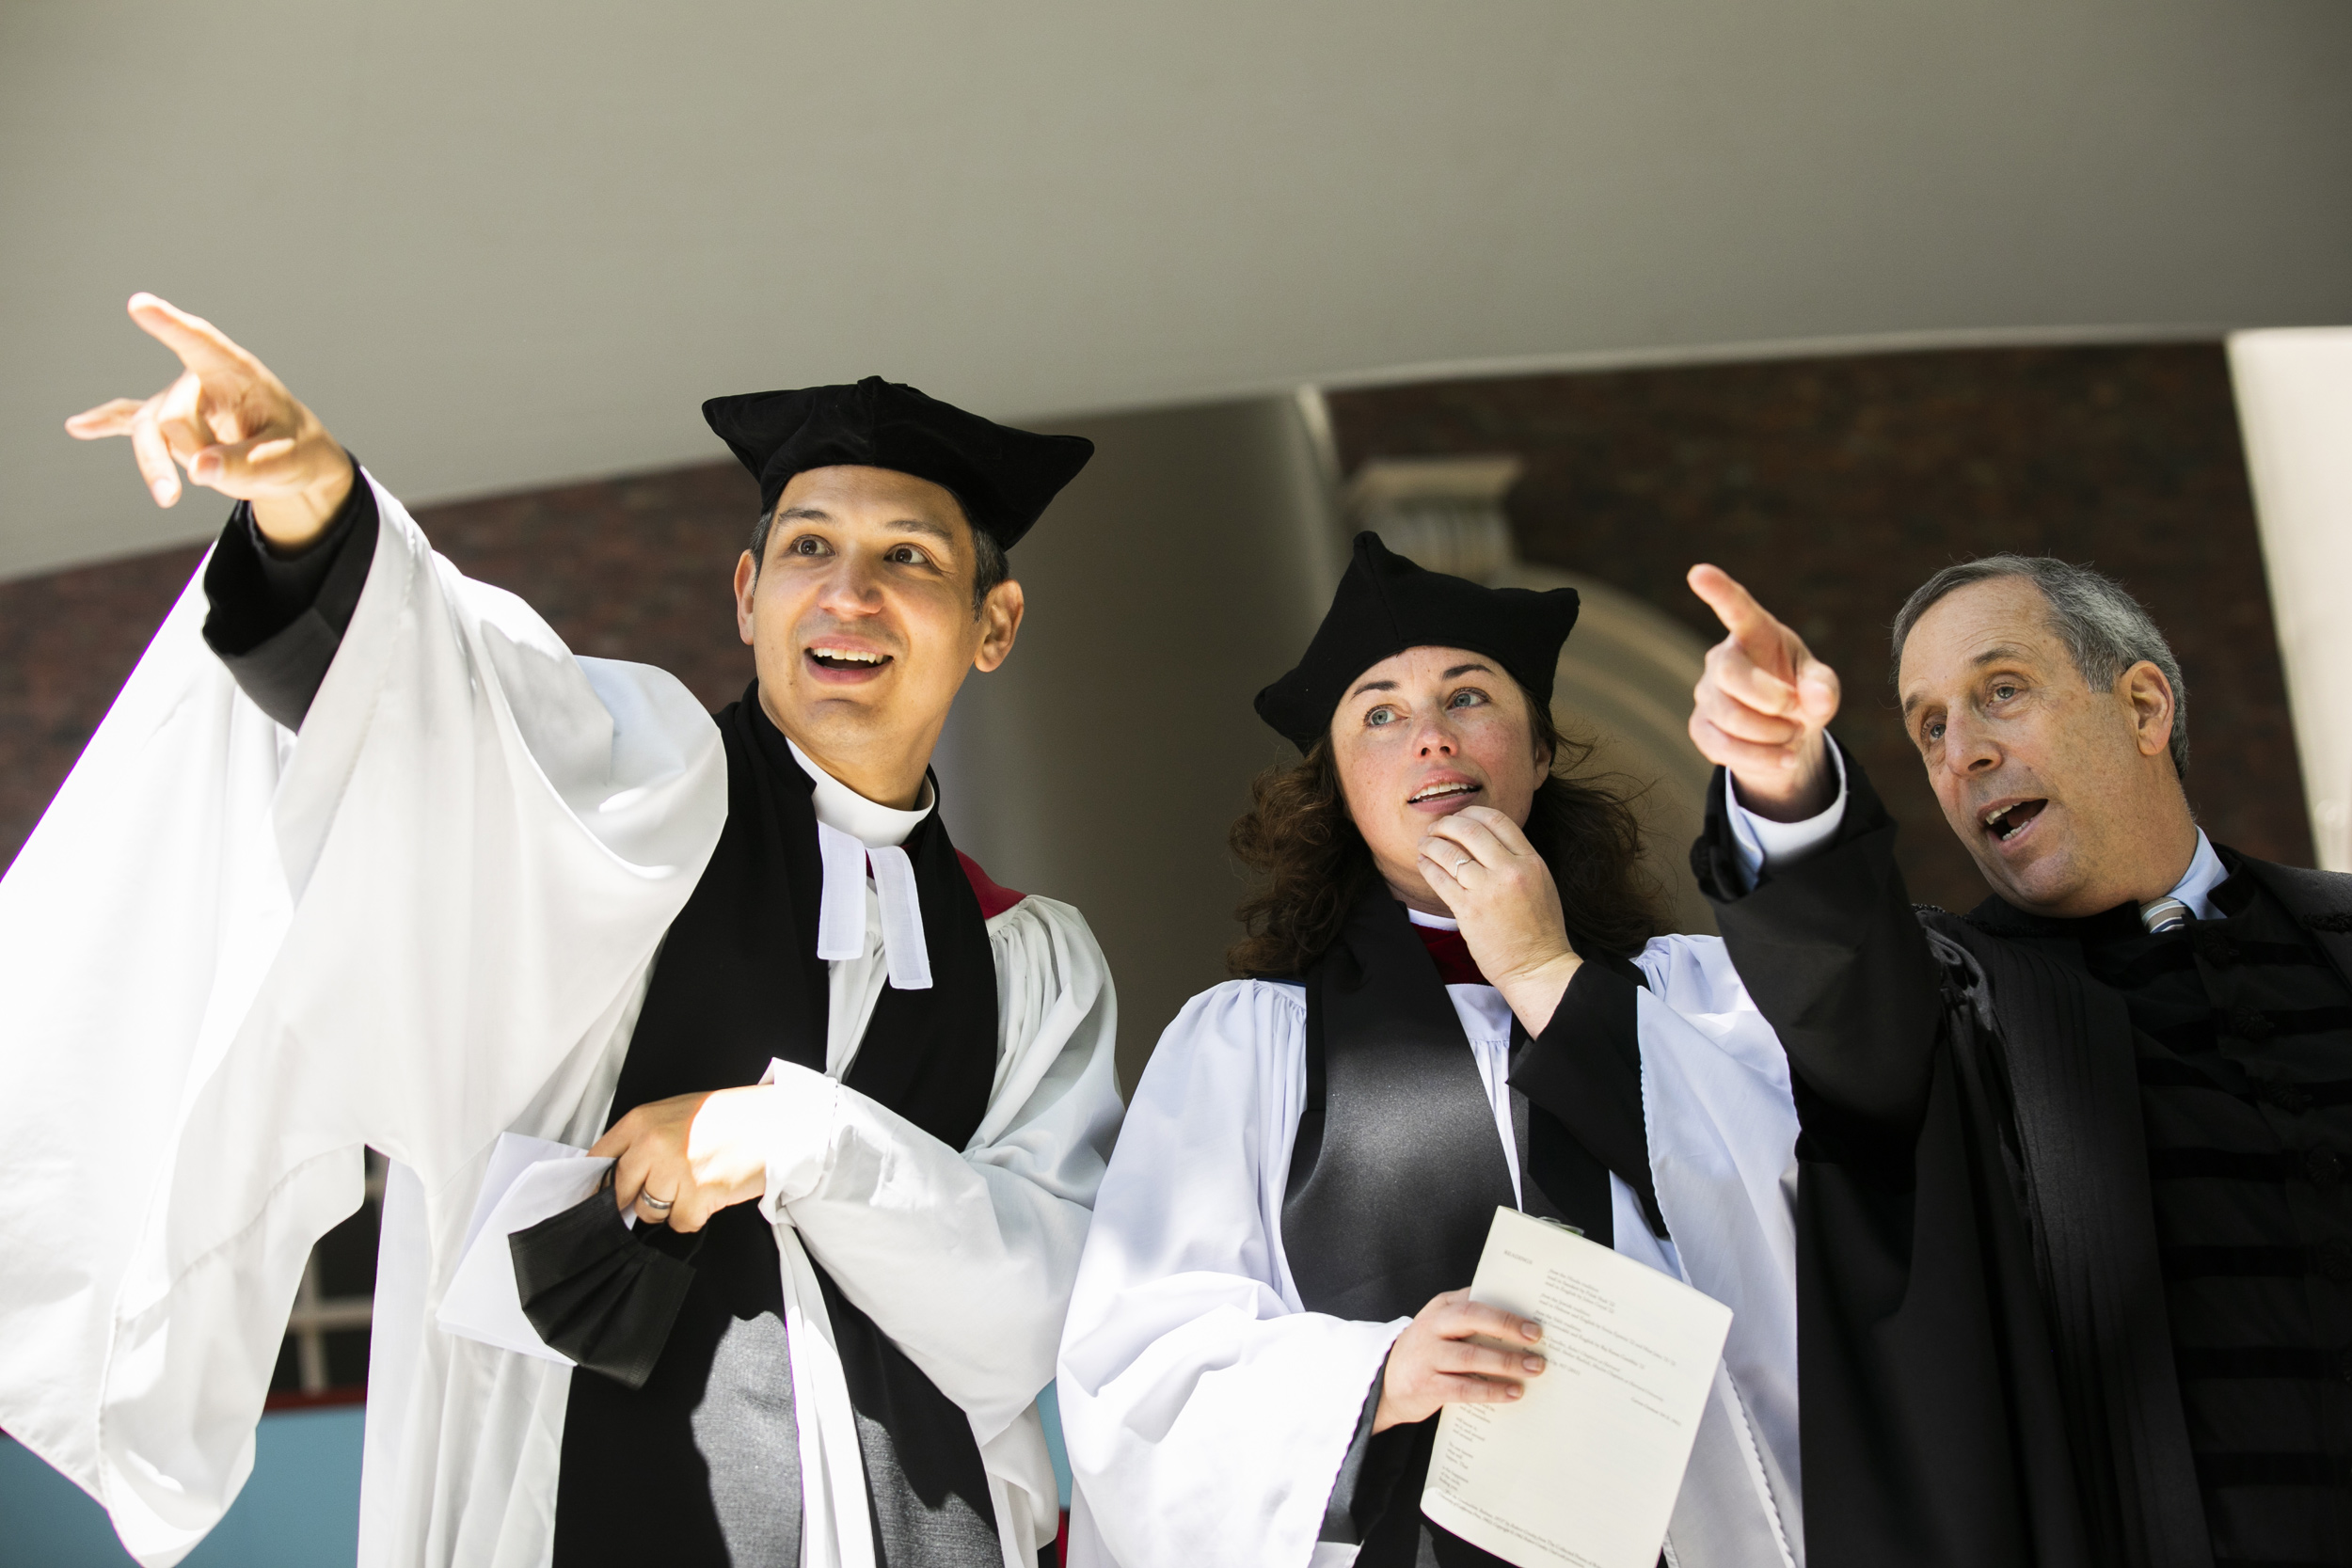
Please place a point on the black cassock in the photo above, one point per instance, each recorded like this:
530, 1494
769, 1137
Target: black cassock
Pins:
1989, 1369
702, 1463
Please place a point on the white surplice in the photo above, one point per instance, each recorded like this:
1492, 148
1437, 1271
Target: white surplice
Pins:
1206, 1412
231, 959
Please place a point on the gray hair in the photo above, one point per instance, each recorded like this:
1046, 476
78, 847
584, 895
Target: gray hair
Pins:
2104, 629
990, 564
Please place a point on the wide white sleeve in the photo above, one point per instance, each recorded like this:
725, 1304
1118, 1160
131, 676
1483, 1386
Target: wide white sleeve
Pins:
1721, 1118
1204, 1412
230, 958
965, 1257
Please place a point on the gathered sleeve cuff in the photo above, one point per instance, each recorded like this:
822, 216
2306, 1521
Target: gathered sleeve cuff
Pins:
277, 621
965, 1257
1758, 842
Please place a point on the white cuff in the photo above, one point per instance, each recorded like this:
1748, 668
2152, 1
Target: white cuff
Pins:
1762, 842
805, 1109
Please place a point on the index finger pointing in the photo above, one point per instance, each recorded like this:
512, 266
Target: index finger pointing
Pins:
1733, 605
201, 346
108, 419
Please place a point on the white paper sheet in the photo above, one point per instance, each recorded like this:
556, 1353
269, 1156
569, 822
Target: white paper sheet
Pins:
528, 1180
1582, 1471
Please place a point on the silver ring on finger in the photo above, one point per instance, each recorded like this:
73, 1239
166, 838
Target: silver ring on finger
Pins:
1461, 864
659, 1205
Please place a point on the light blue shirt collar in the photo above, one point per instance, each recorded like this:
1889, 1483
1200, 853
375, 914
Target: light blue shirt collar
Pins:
2205, 873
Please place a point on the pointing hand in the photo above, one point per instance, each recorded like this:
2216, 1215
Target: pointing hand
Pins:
233, 427
1760, 709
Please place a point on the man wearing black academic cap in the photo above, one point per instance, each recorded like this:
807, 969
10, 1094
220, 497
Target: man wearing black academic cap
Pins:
481, 904
1451, 1001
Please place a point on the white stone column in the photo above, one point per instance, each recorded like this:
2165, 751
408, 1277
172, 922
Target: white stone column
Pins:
2295, 405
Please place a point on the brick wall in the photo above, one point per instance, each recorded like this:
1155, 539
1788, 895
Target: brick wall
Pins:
1832, 487
626, 568
67, 640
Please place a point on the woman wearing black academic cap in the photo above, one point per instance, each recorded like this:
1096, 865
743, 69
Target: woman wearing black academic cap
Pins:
1451, 1001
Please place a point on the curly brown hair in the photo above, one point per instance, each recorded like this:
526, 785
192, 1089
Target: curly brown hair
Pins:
1298, 838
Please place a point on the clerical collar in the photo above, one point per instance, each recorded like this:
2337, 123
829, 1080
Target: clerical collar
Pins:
855, 836
869, 822
1447, 950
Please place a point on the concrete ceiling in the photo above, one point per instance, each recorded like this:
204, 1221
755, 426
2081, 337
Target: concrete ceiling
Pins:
498, 245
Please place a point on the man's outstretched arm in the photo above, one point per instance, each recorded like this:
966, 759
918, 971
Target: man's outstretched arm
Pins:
287, 571
1824, 938
232, 425
278, 620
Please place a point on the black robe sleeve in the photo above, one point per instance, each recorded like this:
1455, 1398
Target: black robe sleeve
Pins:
1359, 1496
1832, 951
274, 620
1584, 1072
1931, 1429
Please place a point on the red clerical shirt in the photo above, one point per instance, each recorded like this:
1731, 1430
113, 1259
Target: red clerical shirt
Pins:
1455, 966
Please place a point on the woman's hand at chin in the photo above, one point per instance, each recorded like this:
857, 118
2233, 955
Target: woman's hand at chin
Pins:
1480, 863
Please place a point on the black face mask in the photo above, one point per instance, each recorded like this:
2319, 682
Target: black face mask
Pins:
599, 1292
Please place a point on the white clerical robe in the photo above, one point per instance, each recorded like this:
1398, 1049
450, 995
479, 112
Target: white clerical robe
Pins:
1206, 1413
229, 959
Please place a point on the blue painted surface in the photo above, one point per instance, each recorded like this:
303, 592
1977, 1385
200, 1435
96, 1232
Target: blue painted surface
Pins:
1049, 1406
301, 1508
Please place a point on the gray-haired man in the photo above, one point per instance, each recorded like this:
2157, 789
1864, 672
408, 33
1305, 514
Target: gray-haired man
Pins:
2076, 1245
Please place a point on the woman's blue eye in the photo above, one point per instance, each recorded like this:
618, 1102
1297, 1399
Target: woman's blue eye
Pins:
1467, 698
1379, 716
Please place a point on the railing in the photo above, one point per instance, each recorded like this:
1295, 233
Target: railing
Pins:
316, 1314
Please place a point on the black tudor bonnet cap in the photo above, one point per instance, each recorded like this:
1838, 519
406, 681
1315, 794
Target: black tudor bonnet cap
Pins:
1387, 604
1003, 476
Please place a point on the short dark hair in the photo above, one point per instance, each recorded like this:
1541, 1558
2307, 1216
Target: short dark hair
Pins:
2105, 630
990, 567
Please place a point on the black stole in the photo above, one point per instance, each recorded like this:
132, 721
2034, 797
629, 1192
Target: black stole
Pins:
1397, 1169
702, 1464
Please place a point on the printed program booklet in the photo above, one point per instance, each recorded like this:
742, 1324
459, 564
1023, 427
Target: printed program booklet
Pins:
1582, 1471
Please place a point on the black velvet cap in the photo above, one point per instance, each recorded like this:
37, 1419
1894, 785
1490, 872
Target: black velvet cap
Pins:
1387, 604
1004, 477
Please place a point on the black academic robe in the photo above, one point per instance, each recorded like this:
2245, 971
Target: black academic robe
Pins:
1985, 1366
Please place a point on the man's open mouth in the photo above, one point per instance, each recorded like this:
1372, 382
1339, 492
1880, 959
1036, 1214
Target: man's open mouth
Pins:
2006, 823
1440, 792
847, 658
